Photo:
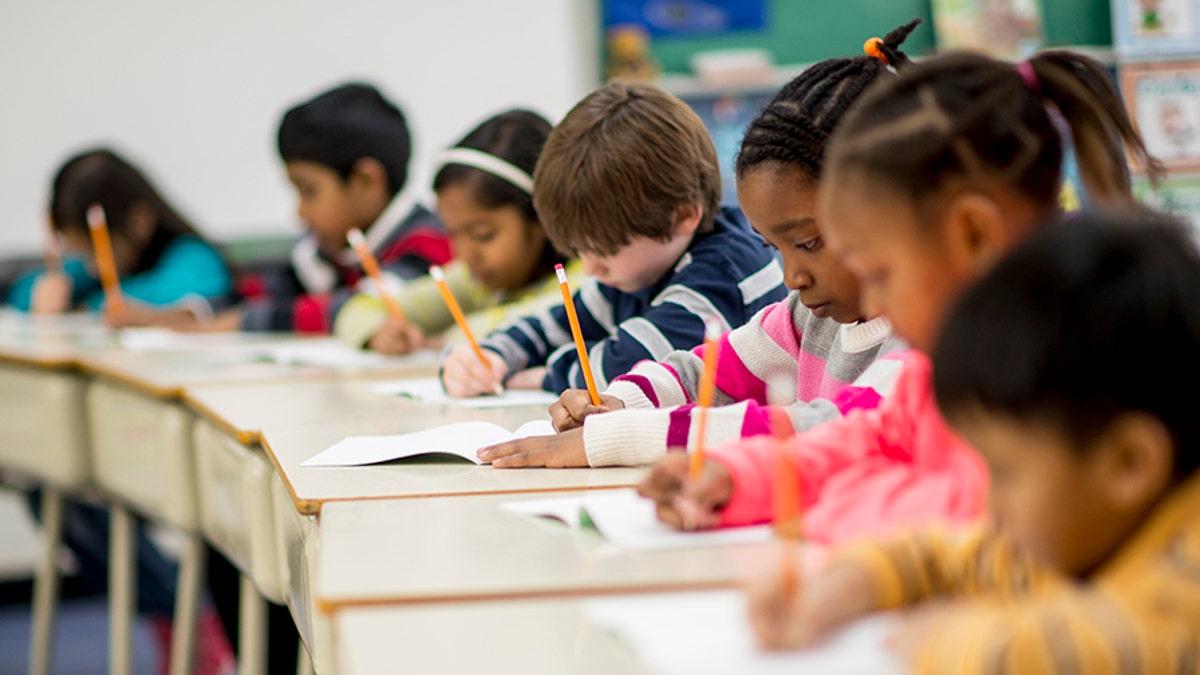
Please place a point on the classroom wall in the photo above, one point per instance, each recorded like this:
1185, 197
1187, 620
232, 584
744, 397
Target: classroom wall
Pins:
193, 91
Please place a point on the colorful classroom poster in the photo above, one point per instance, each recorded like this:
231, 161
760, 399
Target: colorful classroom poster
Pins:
1178, 195
1009, 29
1164, 99
1156, 27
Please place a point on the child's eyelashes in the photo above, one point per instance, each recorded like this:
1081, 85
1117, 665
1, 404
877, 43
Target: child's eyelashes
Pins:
809, 245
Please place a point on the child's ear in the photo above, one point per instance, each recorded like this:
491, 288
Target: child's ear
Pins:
1137, 459
369, 176
687, 219
978, 234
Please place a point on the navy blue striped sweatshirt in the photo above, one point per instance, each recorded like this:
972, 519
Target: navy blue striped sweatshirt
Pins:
725, 273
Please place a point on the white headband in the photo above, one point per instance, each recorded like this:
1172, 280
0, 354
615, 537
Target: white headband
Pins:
477, 159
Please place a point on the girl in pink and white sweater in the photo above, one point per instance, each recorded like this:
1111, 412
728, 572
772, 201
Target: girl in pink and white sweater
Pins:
817, 338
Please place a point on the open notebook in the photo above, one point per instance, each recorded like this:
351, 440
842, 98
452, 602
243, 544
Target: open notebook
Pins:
429, 390
461, 440
709, 632
628, 521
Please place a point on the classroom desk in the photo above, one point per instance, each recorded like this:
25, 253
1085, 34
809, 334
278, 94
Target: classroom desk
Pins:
293, 421
42, 422
467, 548
144, 452
514, 637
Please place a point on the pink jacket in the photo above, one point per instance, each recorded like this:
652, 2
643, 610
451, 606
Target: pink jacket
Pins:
874, 471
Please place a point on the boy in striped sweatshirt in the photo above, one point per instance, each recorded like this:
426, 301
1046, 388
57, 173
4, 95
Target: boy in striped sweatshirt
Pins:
1089, 561
814, 351
629, 181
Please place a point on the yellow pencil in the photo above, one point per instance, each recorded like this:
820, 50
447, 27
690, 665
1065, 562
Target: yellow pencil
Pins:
708, 383
371, 266
105, 263
580, 346
439, 277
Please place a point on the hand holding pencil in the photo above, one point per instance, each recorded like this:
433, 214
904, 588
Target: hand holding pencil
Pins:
51, 292
468, 370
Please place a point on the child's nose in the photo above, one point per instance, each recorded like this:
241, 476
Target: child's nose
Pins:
799, 278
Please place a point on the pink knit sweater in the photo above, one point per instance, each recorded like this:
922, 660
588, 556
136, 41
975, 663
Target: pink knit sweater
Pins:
874, 471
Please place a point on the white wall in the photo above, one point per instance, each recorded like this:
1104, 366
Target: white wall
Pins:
193, 91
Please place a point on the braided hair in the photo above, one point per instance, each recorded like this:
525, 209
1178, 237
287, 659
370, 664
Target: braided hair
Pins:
795, 126
965, 115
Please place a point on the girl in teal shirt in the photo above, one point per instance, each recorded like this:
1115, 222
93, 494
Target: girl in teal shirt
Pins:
161, 260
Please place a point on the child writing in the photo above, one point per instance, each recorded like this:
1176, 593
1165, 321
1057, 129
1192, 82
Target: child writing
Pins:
1088, 561
629, 181
504, 264
933, 177
346, 152
816, 340
161, 260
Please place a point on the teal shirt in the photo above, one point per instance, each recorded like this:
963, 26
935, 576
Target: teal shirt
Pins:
187, 267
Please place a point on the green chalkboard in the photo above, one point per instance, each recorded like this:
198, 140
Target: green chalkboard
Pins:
804, 31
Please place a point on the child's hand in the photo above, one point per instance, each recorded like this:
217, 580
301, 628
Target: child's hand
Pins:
51, 294
785, 618
530, 378
557, 451
682, 503
397, 337
575, 404
134, 313
463, 375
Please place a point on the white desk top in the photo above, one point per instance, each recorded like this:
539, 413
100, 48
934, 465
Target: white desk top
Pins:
499, 638
296, 420
467, 548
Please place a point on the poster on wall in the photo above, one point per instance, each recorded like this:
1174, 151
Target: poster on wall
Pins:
1164, 100
1010, 29
1156, 27
680, 18
1178, 194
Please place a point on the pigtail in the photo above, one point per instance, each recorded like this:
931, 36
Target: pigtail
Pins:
890, 45
1100, 127
795, 127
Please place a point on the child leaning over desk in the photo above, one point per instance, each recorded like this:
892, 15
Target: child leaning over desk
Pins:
629, 181
932, 178
346, 152
161, 259
817, 343
504, 262
1090, 559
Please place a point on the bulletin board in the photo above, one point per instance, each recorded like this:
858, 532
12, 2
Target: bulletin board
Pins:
806, 31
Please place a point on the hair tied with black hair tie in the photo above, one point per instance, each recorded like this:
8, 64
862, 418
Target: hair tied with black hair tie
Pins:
1029, 77
872, 49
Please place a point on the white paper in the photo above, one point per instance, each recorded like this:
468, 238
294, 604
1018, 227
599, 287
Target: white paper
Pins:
333, 353
429, 390
628, 521
709, 632
462, 439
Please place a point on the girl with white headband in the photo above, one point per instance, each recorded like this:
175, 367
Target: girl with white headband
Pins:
504, 264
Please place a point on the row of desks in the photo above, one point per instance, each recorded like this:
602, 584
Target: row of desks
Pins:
384, 566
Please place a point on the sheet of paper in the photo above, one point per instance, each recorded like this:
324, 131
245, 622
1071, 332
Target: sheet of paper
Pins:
708, 632
461, 439
149, 339
628, 521
429, 390
333, 353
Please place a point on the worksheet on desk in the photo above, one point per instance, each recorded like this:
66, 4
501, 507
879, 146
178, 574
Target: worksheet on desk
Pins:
628, 521
709, 632
462, 439
429, 390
